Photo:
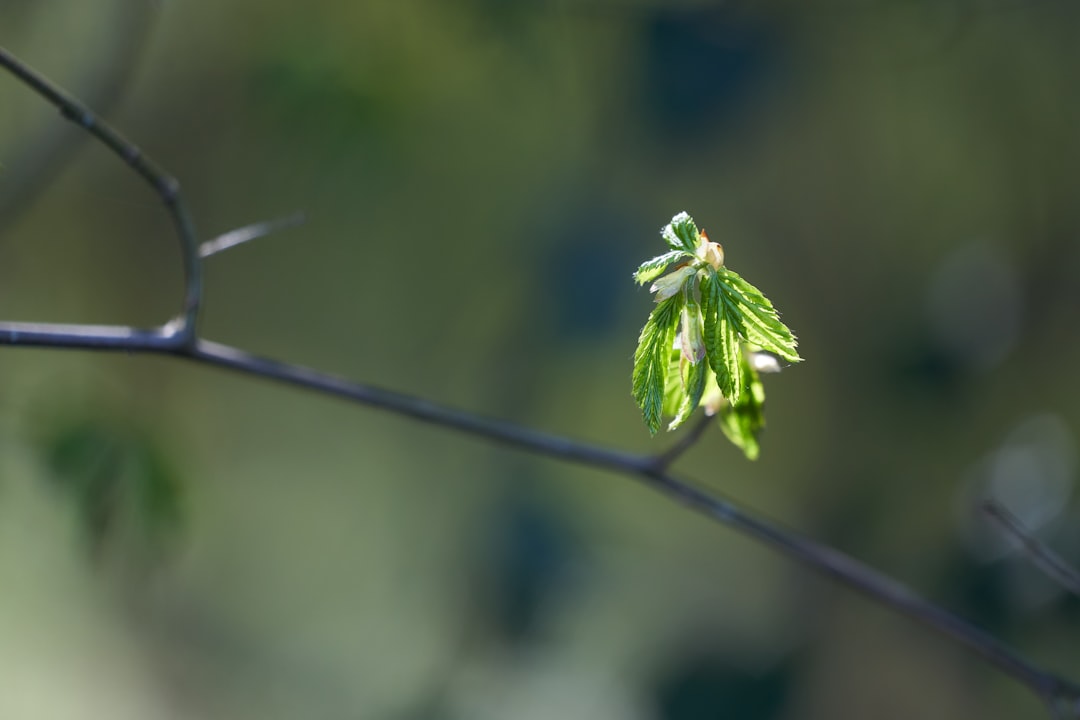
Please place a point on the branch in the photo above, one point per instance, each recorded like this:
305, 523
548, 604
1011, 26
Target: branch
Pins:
166, 186
248, 233
1055, 566
686, 441
45, 152
1055, 691
178, 339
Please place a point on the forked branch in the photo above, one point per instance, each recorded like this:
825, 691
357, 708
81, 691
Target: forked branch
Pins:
166, 186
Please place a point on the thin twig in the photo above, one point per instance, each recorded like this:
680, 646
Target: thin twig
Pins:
166, 186
179, 339
239, 236
688, 439
1055, 566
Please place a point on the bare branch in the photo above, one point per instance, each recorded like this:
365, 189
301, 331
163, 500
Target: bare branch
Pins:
167, 187
37, 160
688, 439
499, 431
1055, 566
92, 337
248, 233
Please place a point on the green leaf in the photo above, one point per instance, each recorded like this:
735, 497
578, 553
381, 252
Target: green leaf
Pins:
691, 340
693, 377
681, 233
723, 344
674, 392
743, 421
652, 359
757, 318
674, 282
652, 269
728, 367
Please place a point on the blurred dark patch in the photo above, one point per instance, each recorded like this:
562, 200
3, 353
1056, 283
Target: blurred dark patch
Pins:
847, 520
918, 369
524, 563
990, 595
907, 366
974, 305
588, 276
996, 596
1069, 549
125, 489
1070, 609
706, 67
1049, 285
312, 95
508, 18
15, 14
979, 592
709, 686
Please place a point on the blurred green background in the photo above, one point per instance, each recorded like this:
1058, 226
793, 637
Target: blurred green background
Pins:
480, 179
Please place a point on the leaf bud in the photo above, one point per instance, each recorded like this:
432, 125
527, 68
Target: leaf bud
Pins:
710, 252
672, 283
690, 339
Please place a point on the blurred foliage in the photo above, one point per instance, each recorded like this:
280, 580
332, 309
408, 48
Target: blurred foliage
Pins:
126, 492
708, 67
525, 564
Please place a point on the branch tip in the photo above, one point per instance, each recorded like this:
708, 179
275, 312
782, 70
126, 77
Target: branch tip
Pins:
690, 438
1037, 552
246, 234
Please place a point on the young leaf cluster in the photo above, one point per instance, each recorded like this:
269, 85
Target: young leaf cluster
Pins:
707, 341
